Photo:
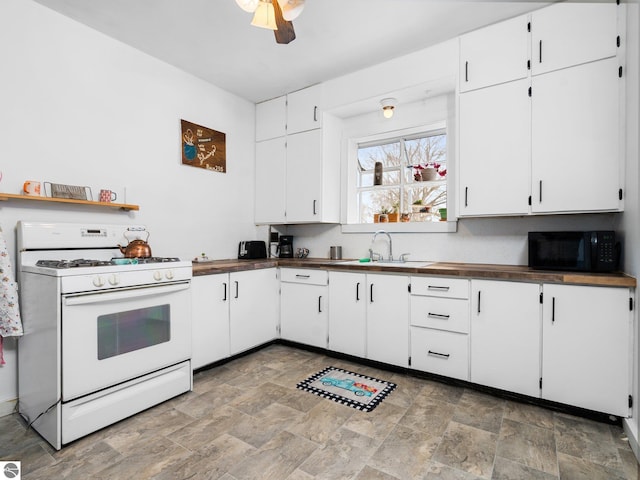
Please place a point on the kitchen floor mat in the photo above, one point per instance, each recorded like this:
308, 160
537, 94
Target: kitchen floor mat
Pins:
348, 388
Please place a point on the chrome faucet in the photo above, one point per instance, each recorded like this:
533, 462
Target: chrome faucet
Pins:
372, 254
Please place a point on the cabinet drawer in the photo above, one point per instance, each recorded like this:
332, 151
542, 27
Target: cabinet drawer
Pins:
440, 287
301, 275
439, 352
441, 313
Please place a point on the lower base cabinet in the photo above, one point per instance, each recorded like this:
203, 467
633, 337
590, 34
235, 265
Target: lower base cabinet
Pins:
586, 347
348, 313
440, 352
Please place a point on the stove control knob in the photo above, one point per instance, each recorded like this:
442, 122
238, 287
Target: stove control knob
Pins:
157, 275
169, 274
114, 279
98, 281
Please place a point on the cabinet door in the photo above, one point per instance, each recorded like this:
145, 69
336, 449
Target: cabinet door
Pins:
304, 314
304, 109
494, 54
495, 150
575, 154
505, 335
271, 119
254, 308
210, 319
568, 34
304, 176
388, 319
347, 313
586, 335
270, 181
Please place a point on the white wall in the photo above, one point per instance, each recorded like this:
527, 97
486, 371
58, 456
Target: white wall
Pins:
80, 108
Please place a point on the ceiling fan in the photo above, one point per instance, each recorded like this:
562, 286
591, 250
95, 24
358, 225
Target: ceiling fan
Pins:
276, 15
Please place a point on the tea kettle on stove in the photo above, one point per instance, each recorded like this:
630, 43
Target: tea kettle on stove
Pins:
136, 248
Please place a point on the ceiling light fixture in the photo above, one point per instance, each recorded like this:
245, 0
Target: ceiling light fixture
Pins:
264, 16
388, 104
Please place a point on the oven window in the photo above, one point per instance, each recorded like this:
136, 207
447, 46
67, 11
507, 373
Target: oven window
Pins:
124, 332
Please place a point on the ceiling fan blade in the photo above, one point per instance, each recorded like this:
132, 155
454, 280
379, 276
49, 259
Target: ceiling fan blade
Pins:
285, 32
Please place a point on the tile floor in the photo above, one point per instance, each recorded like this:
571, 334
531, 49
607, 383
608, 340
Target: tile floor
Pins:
246, 420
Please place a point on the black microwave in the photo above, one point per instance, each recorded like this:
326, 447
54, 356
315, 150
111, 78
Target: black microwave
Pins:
592, 251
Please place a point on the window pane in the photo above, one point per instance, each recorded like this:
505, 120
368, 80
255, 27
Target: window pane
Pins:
373, 201
430, 150
388, 154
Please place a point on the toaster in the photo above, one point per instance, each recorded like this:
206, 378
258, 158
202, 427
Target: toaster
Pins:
252, 249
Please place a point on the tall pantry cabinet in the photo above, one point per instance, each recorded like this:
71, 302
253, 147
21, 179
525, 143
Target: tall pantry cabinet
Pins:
297, 160
539, 113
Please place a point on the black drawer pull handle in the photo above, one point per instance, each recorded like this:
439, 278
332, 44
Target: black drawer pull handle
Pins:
437, 288
438, 316
440, 355
298, 275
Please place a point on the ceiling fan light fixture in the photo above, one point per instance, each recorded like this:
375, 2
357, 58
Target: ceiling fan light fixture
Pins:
248, 5
388, 104
291, 9
265, 16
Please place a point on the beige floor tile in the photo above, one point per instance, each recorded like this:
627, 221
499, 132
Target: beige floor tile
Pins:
573, 468
480, 411
529, 445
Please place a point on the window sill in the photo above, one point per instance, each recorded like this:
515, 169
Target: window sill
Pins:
402, 227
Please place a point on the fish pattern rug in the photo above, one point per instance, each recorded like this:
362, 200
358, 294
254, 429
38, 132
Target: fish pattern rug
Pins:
348, 388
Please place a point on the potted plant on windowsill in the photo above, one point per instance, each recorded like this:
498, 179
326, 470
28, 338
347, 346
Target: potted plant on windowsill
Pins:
385, 215
418, 207
430, 172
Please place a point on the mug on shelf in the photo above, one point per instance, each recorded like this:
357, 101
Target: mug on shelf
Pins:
32, 188
107, 196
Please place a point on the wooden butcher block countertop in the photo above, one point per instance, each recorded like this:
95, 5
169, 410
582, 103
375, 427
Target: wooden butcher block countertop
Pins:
470, 270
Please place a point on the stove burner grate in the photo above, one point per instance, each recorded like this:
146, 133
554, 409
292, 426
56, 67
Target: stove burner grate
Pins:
82, 262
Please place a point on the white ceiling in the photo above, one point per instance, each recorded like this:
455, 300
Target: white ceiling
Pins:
213, 39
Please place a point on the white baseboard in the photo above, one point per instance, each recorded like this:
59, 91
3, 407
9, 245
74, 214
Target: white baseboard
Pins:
632, 434
7, 407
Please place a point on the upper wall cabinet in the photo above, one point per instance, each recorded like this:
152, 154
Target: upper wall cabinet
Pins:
304, 109
271, 119
568, 34
493, 55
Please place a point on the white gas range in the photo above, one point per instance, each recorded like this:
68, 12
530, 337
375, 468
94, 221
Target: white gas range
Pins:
104, 337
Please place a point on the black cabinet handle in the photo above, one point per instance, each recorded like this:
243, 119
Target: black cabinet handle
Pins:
439, 316
237, 289
302, 276
358, 292
320, 304
466, 196
540, 52
315, 113
224, 299
314, 207
479, 292
371, 293
466, 71
540, 191
437, 354
553, 309
437, 288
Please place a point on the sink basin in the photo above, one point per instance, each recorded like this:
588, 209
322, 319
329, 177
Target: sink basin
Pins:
386, 264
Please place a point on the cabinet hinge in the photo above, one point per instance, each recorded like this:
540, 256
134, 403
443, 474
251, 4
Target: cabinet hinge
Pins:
620, 71
620, 194
529, 199
541, 297
618, 41
630, 401
631, 304
409, 288
529, 91
540, 383
528, 26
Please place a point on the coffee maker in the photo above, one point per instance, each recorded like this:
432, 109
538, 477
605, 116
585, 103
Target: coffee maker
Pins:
285, 248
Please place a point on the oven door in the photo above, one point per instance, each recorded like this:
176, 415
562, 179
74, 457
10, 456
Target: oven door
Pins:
113, 336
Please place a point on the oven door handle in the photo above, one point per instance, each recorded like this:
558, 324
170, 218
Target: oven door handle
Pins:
124, 294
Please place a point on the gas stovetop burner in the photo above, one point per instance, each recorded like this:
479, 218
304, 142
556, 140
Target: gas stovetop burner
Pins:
81, 262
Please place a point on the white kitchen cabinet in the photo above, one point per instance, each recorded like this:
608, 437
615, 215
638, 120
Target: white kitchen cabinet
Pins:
304, 306
441, 352
254, 311
304, 174
270, 172
505, 335
568, 34
210, 319
495, 54
388, 319
495, 146
304, 109
575, 146
271, 119
586, 347
348, 313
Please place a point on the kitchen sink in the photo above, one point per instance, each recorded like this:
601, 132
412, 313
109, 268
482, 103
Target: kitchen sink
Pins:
386, 264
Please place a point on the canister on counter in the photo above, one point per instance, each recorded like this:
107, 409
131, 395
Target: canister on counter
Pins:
335, 252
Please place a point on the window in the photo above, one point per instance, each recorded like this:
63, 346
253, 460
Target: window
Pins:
402, 179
